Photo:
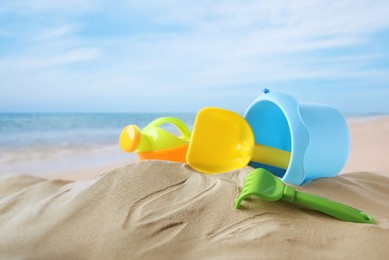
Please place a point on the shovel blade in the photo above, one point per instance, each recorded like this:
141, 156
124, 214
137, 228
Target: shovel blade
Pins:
221, 141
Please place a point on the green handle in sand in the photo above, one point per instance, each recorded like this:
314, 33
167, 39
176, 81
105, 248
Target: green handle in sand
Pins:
265, 185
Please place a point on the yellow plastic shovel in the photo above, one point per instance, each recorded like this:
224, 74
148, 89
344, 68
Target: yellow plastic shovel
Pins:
223, 140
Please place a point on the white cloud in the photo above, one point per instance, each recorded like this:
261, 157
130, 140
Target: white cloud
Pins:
45, 62
38, 6
205, 48
54, 32
247, 39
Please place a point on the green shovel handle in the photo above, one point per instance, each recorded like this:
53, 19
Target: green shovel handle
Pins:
333, 208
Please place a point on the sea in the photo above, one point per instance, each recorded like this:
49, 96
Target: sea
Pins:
40, 143
48, 143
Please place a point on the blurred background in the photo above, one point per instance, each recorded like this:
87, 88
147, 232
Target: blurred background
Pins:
74, 73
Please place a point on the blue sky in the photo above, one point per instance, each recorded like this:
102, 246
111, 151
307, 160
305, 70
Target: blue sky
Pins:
166, 56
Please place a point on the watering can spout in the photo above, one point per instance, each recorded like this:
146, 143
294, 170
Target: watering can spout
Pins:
131, 139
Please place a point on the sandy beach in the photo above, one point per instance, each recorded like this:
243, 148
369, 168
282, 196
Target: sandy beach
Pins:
165, 210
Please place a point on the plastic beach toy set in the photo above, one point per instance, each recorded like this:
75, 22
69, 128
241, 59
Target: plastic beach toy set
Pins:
285, 140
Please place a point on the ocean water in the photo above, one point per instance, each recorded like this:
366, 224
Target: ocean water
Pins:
51, 143
32, 143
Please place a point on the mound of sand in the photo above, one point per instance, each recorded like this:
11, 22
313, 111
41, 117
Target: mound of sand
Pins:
155, 209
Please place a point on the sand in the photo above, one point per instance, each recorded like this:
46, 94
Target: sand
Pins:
165, 210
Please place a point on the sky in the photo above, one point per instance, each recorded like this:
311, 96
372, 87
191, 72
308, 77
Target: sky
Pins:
180, 56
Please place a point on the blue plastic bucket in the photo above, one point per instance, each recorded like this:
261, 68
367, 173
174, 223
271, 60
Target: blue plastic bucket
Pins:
316, 135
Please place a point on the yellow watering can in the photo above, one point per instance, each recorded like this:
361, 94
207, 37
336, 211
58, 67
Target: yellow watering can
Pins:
223, 140
154, 142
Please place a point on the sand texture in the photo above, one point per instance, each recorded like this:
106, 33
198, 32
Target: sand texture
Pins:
154, 210
165, 210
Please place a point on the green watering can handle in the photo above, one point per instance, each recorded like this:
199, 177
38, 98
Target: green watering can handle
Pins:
335, 209
184, 130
